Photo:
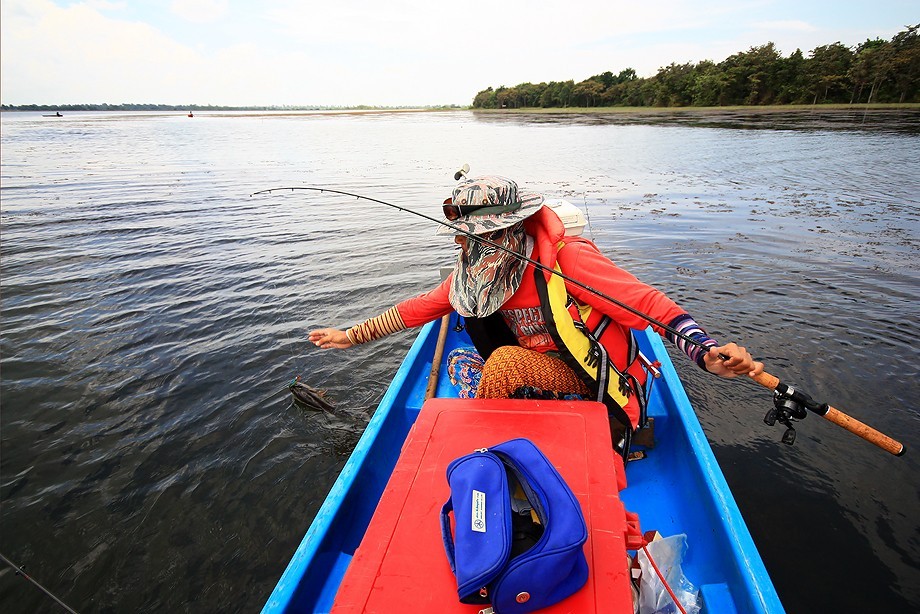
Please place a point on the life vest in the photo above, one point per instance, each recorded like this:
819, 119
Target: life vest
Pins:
582, 351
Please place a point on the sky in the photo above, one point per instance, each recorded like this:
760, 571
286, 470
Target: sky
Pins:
387, 52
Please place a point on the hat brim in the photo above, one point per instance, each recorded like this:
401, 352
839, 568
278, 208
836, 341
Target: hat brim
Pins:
482, 224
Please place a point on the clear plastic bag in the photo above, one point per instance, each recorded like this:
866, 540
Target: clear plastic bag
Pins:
668, 553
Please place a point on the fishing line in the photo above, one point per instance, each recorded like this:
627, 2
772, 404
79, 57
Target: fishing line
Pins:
588, 215
495, 245
20, 572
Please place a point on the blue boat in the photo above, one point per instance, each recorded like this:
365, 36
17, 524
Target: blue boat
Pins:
677, 489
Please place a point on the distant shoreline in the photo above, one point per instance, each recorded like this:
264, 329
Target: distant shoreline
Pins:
131, 108
620, 110
295, 113
706, 110
626, 114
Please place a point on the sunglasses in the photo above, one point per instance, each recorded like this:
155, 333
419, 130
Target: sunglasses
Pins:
453, 212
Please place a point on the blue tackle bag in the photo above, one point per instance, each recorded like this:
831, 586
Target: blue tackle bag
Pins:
519, 531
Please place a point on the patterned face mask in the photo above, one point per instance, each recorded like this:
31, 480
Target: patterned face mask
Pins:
485, 277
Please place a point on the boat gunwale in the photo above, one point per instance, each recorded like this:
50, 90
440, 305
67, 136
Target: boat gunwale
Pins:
753, 575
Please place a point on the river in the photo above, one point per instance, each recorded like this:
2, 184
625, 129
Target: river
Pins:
152, 311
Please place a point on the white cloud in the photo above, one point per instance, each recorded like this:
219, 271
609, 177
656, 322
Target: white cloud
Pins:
106, 5
482, 27
74, 54
199, 11
56, 55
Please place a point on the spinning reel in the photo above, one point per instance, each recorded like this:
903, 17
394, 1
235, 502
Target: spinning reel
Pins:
789, 405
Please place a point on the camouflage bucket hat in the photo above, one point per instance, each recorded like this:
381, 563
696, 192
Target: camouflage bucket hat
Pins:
485, 204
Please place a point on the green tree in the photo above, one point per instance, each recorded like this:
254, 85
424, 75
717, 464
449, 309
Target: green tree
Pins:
792, 86
606, 79
826, 72
625, 75
752, 76
709, 85
485, 99
873, 62
565, 92
531, 94
502, 97
862, 68
674, 85
905, 63
557, 94
587, 93
612, 94
548, 97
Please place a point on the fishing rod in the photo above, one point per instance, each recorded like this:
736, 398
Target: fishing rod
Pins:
538, 265
789, 404
20, 572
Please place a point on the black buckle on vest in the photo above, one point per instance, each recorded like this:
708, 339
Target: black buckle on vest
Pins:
593, 357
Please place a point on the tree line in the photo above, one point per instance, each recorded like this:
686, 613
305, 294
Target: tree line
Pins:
876, 71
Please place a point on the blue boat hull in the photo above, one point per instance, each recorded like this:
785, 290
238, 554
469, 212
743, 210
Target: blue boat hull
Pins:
679, 488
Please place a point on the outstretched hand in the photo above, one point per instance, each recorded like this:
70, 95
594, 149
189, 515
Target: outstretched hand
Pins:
326, 338
739, 361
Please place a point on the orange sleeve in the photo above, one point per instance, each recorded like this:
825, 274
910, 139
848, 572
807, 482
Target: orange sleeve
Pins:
582, 261
428, 306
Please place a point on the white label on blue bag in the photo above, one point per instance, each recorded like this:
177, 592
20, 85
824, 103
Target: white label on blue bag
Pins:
479, 511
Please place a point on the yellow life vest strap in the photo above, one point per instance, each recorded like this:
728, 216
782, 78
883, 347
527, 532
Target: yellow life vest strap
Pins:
578, 348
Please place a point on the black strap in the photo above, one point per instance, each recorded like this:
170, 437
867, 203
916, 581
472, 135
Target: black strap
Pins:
489, 333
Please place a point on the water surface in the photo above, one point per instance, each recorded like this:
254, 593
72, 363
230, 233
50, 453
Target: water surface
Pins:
152, 312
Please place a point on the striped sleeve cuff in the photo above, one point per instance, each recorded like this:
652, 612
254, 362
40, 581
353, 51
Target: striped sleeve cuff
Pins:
688, 326
387, 323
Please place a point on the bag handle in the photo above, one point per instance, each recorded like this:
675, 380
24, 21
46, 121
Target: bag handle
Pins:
446, 534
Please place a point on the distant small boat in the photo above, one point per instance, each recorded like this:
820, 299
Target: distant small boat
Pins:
57, 114
190, 114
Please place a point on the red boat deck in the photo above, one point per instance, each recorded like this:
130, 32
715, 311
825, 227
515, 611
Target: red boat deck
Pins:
400, 565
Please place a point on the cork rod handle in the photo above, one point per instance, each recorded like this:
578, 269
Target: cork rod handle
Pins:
841, 419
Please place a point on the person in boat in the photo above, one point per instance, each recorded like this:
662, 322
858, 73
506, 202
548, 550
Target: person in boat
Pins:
535, 331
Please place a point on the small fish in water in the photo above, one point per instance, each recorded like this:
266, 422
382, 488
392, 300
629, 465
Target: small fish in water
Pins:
308, 397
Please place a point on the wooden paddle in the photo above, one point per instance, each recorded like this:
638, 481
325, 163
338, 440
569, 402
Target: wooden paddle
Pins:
436, 359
